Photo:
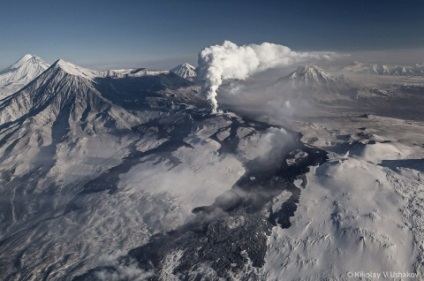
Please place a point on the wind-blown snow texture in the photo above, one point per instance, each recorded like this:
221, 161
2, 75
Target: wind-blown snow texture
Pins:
128, 175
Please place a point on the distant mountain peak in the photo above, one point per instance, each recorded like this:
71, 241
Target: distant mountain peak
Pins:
20, 73
25, 60
186, 71
315, 80
382, 69
311, 73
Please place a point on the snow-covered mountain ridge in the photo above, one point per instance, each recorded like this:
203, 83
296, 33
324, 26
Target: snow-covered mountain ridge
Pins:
127, 175
382, 69
113, 73
22, 72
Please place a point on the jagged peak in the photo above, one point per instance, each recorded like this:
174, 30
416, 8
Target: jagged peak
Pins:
61, 63
75, 70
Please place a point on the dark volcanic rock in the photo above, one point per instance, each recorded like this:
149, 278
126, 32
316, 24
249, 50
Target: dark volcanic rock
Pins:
232, 232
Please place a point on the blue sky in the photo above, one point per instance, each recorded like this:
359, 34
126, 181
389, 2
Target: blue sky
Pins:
162, 33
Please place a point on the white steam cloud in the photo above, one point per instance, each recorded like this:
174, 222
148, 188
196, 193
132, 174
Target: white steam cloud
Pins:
229, 61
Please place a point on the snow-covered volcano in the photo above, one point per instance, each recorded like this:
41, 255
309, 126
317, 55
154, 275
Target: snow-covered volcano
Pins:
62, 89
68, 126
84, 154
57, 109
312, 82
65, 82
311, 74
126, 175
186, 71
67, 102
20, 73
314, 76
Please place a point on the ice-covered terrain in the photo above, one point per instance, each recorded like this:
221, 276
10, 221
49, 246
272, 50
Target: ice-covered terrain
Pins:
360, 210
16, 76
127, 175
186, 71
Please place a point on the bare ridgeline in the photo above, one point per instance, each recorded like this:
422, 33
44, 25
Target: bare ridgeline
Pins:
256, 165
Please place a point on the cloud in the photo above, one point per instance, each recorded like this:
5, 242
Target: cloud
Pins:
228, 61
266, 150
118, 272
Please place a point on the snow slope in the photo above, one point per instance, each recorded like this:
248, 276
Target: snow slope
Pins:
353, 217
67, 127
186, 71
361, 211
125, 175
137, 72
20, 73
312, 76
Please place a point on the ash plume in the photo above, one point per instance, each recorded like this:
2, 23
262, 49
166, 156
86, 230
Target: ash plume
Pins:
229, 61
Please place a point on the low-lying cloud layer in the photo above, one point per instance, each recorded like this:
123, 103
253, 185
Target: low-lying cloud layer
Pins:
228, 61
